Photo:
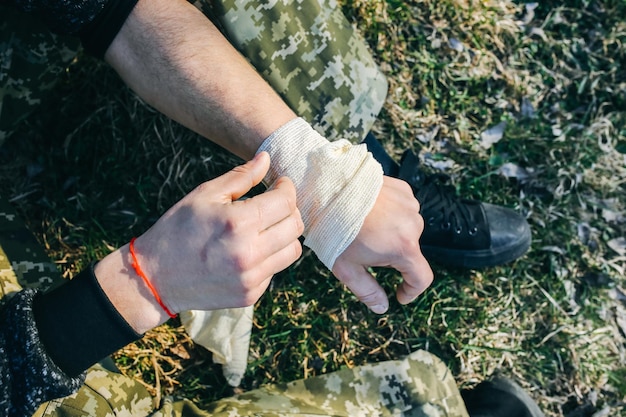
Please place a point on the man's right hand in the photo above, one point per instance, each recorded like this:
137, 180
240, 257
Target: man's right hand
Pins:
210, 250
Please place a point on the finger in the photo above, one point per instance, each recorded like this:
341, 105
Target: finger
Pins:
254, 294
363, 285
282, 259
274, 205
242, 178
417, 276
280, 234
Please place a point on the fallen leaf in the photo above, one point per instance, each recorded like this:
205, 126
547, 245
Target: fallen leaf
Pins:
511, 170
426, 136
456, 45
611, 216
441, 165
492, 135
618, 245
538, 32
617, 294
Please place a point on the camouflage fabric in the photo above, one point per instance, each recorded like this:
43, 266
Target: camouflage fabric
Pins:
104, 394
308, 52
23, 263
31, 59
419, 385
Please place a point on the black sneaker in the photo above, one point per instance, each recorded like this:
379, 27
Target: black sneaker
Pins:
500, 397
460, 232
457, 232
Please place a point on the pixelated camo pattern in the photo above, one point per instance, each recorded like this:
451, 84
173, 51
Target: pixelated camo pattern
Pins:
311, 55
23, 263
417, 386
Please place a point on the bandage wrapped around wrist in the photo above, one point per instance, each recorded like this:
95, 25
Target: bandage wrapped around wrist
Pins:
337, 184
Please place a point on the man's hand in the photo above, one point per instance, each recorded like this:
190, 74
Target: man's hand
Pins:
389, 237
210, 250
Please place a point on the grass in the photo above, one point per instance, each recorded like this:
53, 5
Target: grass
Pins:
95, 166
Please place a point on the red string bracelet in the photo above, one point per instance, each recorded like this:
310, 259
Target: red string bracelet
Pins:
139, 272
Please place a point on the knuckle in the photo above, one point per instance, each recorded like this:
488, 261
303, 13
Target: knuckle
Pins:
416, 206
252, 287
232, 225
290, 198
419, 222
409, 246
413, 226
429, 279
243, 259
293, 255
297, 249
202, 188
249, 298
405, 187
299, 225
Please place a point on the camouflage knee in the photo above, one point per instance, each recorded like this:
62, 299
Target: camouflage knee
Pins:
310, 54
419, 385
23, 262
31, 59
104, 394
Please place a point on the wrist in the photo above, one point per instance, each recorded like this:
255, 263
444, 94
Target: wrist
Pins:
336, 183
128, 292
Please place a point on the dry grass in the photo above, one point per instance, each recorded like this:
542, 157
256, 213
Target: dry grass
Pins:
103, 168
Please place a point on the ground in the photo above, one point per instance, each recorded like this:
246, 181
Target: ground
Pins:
521, 104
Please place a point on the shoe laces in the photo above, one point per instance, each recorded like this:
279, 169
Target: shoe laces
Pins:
440, 204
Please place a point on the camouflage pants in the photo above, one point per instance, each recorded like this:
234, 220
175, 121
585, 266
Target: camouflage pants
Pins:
312, 57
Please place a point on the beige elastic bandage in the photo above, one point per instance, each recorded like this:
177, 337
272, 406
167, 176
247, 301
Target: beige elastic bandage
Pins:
337, 184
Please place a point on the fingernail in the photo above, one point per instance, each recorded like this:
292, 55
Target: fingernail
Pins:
378, 308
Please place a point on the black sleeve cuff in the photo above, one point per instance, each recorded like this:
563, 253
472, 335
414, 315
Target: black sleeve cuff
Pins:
97, 36
78, 325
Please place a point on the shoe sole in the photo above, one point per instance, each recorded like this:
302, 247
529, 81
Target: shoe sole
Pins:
511, 387
477, 259
500, 397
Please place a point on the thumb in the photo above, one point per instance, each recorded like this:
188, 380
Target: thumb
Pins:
242, 178
363, 285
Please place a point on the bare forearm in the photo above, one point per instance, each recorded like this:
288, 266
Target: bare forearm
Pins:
180, 63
